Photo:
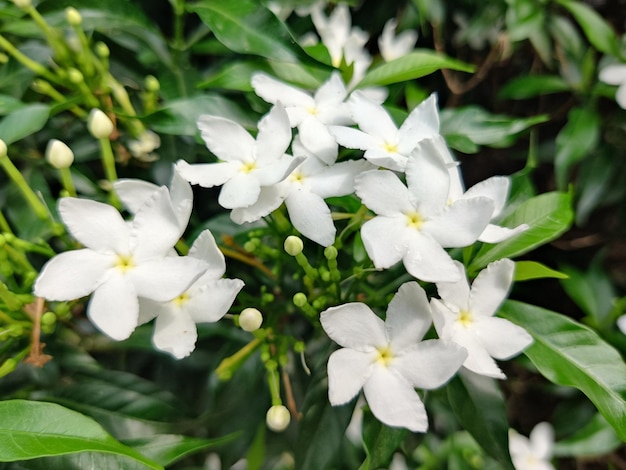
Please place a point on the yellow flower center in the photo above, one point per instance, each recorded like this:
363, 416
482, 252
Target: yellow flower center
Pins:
124, 263
312, 110
465, 318
385, 356
181, 300
391, 148
297, 177
248, 167
414, 220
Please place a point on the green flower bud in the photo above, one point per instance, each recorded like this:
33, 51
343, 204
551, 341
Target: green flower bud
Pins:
278, 418
102, 50
300, 300
22, 3
73, 17
48, 318
330, 252
152, 84
59, 155
293, 245
99, 124
75, 75
250, 319
3, 149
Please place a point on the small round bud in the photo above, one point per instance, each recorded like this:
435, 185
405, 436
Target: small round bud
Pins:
73, 17
293, 245
59, 155
99, 124
3, 58
22, 3
48, 318
277, 418
300, 300
330, 252
3, 149
102, 50
75, 75
250, 319
152, 84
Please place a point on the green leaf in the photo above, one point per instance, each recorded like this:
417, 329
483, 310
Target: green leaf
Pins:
547, 216
529, 86
599, 33
380, 442
8, 104
575, 141
247, 27
31, 429
573, 355
527, 270
234, 75
596, 438
484, 128
23, 122
479, 405
416, 64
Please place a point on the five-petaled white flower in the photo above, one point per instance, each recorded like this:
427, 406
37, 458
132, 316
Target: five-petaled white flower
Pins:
205, 301
248, 164
533, 452
387, 359
414, 224
392, 46
616, 75
466, 316
121, 261
384, 144
310, 114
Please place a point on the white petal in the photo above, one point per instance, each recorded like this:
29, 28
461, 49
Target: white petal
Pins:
72, 274
385, 240
181, 195
114, 308
133, 192
241, 191
372, 118
427, 176
332, 91
149, 309
613, 74
620, 96
461, 223
542, 440
519, 446
430, 364
390, 160
317, 139
422, 123
456, 293
204, 248
621, 323
442, 315
207, 175
175, 332
478, 360
393, 400
96, 225
383, 192
278, 170
408, 316
353, 138
165, 278
355, 326
227, 139
426, 260
310, 215
210, 300
274, 135
347, 372
496, 234
272, 91
491, 287
270, 199
338, 179
495, 188
501, 338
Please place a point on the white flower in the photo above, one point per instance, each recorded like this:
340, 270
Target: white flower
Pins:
303, 192
206, 301
248, 164
384, 144
393, 47
534, 452
121, 261
143, 147
415, 224
495, 188
616, 75
311, 114
387, 359
466, 316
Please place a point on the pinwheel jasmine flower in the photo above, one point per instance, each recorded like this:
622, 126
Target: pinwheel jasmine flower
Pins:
533, 452
386, 359
384, 144
311, 114
303, 192
616, 75
415, 223
121, 261
248, 164
206, 300
392, 46
466, 316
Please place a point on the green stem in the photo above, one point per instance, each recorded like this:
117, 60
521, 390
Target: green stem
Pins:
227, 367
67, 182
4, 225
108, 163
40, 209
26, 61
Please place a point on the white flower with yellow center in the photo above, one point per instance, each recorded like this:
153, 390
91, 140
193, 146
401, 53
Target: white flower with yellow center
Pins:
384, 143
535, 451
121, 261
414, 224
466, 316
387, 359
247, 163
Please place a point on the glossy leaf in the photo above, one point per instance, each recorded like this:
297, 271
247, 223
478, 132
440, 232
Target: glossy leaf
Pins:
547, 215
380, 442
525, 87
23, 122
479, 405
416, 64
599, 33
31, 429
527, 270
596, 438
573, 355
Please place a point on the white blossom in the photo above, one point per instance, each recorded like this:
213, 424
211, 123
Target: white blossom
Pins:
533, 452
392, 46
616, 75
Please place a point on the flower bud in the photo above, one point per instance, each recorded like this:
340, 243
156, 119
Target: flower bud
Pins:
300, 300
152, 84
102, 49
293, 245
99, 124
75, 75
59, 155
3, 149
250, 319
73, 17
330, 252
278, 418
22, 3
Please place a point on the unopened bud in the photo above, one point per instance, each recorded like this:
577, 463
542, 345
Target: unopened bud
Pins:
152, 84
3, 58
75, 75
73, 17
102, 50
300, 300
330, 252
22, 3
3, 149
99, 124
59, 155
250, 319
278, 418
293, 245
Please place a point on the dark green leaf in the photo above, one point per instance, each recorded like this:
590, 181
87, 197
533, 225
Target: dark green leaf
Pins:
31, 429
380, 442
530, 86
23, 122
234, 76
599, 33
570, 354
527, 270
596, 438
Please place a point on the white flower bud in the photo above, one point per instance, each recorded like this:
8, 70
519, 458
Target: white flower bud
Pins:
99, 124
293, 245
277, 418
3, 149
59, 155
72, 16
22, 3
250, 319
